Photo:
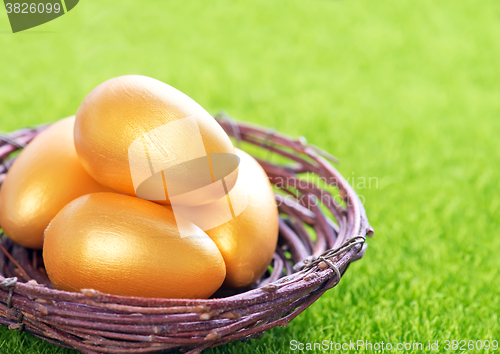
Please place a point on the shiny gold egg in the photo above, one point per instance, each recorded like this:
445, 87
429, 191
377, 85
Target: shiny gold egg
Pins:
45, 177
243, 225
145, 138
124, 245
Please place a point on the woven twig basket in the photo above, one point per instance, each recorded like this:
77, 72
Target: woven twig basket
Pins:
320, 235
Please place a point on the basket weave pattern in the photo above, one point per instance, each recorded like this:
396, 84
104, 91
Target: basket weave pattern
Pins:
304, 266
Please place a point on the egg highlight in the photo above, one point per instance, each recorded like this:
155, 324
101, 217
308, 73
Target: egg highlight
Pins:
45, 177
243, 224
145, 138
124, 245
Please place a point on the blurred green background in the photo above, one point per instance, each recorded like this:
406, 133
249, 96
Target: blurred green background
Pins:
402, 91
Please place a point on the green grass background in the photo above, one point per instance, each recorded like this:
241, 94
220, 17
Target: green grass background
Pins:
404, 91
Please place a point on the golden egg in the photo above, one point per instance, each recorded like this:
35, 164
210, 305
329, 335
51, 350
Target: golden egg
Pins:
45, 177
124, 245
145, 138
243, 225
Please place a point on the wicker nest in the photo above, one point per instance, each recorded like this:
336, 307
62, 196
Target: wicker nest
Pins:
322, 230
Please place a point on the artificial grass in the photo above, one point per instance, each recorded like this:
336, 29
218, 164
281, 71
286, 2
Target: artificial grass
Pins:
405, 92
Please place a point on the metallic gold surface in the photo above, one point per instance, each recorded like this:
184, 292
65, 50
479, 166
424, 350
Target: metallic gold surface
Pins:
146, 115
45, 177
248, 241
124, 245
